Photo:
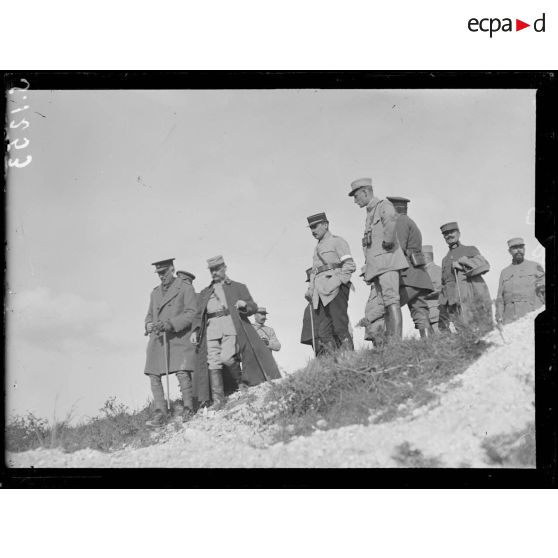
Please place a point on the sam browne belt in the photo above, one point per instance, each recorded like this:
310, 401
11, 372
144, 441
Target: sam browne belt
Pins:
327, 267
218, 314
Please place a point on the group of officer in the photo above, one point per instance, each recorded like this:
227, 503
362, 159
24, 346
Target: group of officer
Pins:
400, 270
207, 340
203, 339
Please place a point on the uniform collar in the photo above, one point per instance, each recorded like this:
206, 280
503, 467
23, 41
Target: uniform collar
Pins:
325, 237
225, 281
372, 203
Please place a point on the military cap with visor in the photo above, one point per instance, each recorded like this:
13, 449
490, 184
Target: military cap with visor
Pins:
358, 184
261, 310
163, 265
517, 241
215, 262
451, 226
317, 218
427, 249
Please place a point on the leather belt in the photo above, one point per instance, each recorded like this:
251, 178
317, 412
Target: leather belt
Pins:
218, 314
327, 267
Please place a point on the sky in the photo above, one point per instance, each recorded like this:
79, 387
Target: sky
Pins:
120, 179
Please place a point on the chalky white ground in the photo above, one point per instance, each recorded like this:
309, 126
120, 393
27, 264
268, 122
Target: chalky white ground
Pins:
494, 396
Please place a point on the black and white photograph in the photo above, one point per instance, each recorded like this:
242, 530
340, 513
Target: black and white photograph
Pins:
254, 272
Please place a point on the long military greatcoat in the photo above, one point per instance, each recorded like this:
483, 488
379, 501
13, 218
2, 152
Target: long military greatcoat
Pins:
178, 306
246, 339
410, 239
517, 290
472, 289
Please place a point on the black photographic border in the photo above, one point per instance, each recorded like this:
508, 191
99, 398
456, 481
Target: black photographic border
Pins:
546, 384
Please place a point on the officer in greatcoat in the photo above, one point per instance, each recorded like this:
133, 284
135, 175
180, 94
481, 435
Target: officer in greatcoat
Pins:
330, 284
521, 288
266, 332
464, 297
414, 282
309, 321
224, 338
171, 311
435, 273
382, 252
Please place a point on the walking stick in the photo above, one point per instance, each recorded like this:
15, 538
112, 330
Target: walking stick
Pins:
253, 350
165, 346
312, 327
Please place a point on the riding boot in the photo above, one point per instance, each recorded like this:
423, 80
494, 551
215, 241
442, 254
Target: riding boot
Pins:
217, 390
395, 321
426, 332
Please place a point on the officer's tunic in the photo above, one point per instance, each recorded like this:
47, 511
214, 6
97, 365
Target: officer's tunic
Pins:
381, 222
268, 334
435, 273
517, 290
474, 293
329, 290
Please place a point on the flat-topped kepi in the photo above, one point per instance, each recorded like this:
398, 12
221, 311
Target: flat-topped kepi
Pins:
451, 226
358, 184
317, 218
163, 265
398, 200
215, 261
517, 241
261, 310
427, 249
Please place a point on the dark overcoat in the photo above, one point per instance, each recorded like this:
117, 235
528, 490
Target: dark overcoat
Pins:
247, 338
178, 306
471, 293
410, 239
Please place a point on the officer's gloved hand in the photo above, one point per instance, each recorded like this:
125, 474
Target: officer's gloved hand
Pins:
194, 338
240, 305
457, 265
387, 246
167, 326
149, 327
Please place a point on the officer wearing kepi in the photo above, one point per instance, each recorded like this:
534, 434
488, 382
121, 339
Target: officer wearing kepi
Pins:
415, 283
521, 287
382, 252
266, 333
172, 309
330, 283
465, 297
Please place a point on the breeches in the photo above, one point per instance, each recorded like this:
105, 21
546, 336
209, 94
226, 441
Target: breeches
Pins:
387, 284
221, 352
332, 319
415, 299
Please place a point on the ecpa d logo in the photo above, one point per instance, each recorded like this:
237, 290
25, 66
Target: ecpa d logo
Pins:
492, 25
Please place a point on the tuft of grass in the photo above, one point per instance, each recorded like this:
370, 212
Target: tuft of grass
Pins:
348, 387
114, 427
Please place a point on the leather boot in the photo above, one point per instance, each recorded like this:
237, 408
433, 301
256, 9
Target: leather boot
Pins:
395, 321
426, 332
217, 390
